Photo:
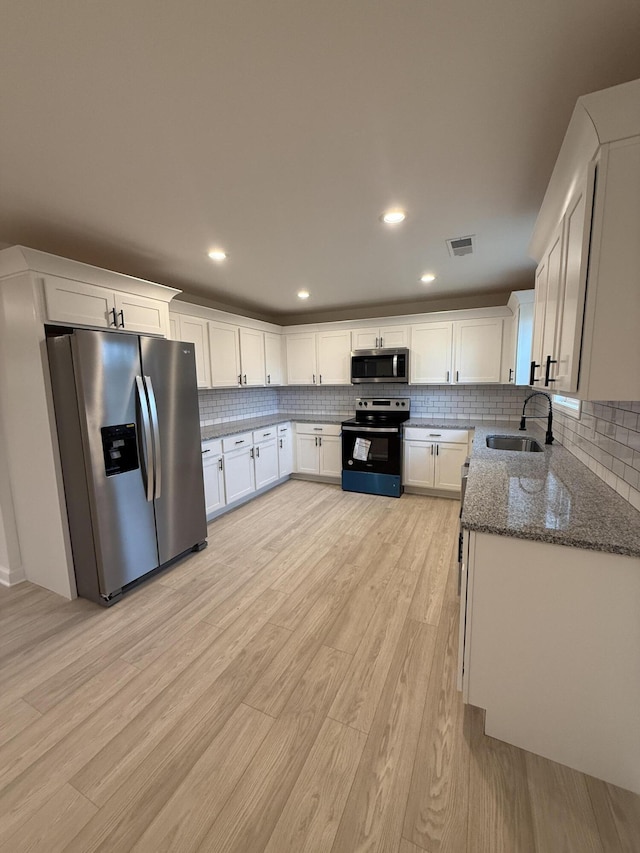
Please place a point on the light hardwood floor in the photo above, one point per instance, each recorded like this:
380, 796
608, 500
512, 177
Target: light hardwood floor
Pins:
291, 689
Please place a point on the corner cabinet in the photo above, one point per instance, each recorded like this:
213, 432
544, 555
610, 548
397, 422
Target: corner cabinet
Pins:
79, 303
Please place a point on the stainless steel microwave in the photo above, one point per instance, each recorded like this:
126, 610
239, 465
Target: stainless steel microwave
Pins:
380, 365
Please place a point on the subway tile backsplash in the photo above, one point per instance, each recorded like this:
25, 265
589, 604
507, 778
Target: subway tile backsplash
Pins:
606, 438
489, 403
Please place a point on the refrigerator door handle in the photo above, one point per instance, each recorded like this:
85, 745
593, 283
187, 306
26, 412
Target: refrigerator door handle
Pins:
155, 428
148, 444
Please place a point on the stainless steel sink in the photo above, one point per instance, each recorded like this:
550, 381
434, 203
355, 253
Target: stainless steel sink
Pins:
513, 442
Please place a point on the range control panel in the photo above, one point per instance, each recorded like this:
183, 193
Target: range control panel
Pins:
383, 404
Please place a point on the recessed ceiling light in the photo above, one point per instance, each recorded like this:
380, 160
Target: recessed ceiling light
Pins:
393, 217
218, 255
427, 277
303, 294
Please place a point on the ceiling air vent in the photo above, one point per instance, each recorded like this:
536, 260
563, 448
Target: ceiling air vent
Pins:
459, 246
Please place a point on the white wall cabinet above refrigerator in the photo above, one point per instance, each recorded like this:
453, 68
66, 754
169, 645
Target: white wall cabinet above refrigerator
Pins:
80, 303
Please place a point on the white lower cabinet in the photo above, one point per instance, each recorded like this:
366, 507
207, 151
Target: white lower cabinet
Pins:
239, 470
319, 450
433, 458
285, 450
265, 453
555, 669
212, 469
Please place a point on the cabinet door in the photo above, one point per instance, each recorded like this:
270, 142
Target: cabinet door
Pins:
213, 482
142, 314
552, 301
394, 336
195, 330
577, 235
307, 454
334, 358
478, 350
449, 460
273, 359
174, 327
225, 355
430, 357
301, 359
285, 451
79, 303
239, 475
542, 279
524, 332
266, 463
418, 463
365, 338
509, 333
330, 455
252, 357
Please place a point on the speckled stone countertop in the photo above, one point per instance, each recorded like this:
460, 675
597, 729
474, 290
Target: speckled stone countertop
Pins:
549, 497
248, 424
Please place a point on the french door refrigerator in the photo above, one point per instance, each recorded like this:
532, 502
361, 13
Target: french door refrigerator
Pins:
128, 427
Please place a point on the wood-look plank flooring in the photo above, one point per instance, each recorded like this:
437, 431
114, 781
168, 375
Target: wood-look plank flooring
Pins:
291, 689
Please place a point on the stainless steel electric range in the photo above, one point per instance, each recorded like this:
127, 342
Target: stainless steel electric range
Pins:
372, 446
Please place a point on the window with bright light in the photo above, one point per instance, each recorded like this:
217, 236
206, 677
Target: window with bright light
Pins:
567, 405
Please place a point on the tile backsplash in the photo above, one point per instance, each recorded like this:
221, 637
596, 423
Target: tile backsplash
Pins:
234, 404
606, 438
477, 402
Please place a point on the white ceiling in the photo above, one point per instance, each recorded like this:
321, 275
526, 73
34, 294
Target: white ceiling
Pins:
138, 134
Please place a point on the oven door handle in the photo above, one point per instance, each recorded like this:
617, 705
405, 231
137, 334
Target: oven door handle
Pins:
371, 429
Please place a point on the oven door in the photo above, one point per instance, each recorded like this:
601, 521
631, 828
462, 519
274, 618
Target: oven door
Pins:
377, 450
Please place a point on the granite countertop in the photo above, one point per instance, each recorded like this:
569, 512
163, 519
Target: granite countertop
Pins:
248, 424
548, 497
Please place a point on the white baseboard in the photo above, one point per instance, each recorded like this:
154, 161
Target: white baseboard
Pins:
11, 578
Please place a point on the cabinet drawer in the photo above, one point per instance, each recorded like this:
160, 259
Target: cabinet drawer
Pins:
234, 442
211, 447
284, 428
452, 436
318, 429
265, 434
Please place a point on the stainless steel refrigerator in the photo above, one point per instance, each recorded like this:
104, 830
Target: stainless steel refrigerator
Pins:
129, 434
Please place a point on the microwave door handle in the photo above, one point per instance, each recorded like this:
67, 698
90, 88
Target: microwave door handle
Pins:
395, 364
147, 444
155, 428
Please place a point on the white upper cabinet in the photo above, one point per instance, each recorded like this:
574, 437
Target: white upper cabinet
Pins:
194, 330
430, 356
301, 358
334, 358
273, 359
458, 351
577, 221
517, 338
477, 350
252, 357
80, 303
225, 355
380, 337
586, 337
